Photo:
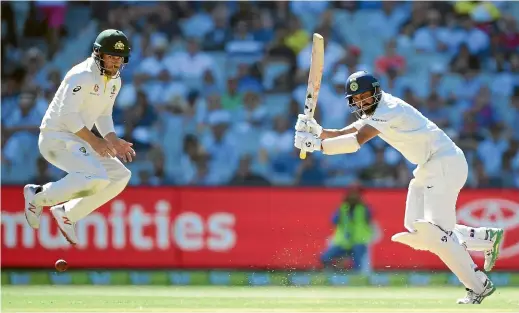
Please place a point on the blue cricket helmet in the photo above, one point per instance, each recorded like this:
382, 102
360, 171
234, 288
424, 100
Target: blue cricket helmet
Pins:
358, 83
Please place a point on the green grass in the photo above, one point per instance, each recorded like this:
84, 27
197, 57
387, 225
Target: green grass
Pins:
248, 299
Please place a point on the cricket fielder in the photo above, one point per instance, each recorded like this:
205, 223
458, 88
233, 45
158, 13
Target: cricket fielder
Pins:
95, 174
441, 172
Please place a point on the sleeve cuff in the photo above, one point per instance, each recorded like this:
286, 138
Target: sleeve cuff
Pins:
74, 122
105, 125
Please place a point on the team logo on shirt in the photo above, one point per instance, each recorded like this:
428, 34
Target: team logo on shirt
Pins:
114, 89
76, 89
354, 86
84, 151
96, 88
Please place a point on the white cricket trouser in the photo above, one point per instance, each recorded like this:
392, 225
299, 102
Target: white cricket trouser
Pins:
91, 181
432, 196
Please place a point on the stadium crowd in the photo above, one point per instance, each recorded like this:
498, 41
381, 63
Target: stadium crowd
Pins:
213, 89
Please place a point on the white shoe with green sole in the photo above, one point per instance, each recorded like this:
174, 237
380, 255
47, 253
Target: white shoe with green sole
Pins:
496, 236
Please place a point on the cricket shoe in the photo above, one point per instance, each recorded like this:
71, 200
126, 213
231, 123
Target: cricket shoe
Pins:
496, 236
475, 298
66, 226
32, 212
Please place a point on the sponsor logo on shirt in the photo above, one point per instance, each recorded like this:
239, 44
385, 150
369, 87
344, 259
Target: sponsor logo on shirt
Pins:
378, 120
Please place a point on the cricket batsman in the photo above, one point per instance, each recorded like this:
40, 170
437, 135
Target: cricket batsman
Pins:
85, 97
441, 172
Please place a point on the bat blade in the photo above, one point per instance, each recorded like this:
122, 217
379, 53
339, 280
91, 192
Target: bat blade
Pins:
314, 78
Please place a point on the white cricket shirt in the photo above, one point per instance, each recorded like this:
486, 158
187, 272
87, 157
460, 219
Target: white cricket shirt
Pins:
84, 98
407, 130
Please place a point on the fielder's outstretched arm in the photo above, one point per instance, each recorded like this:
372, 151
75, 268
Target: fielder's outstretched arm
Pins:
350, 142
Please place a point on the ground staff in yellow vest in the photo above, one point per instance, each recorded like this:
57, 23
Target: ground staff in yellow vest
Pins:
353, 232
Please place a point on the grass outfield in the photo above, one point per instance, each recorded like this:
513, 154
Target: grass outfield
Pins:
248, 299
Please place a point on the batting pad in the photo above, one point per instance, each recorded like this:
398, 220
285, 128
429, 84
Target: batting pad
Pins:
430, 237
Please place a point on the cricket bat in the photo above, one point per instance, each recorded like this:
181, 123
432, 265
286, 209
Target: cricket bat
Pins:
314, 78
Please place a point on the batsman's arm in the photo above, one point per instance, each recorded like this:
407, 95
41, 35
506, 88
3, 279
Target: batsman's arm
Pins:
349, 143
332, 133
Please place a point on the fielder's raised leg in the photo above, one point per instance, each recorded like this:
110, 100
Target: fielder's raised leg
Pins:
95, 174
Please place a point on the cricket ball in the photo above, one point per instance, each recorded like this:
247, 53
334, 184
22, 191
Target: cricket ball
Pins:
61, 265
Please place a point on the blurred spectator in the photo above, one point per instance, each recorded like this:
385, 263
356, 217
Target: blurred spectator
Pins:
199, 23
380, 174
333, 106
247, 81
155, 63
392, 83
313, 9
510, 176
470, 135
138, 125
435, 110
163, 89
263, 27
351, 61
509, 38
433, 37
245, 177
480, 11
402, 174
410, 97
221, 146
190, 65
297, 38
54, 14
512, 116
209, 84
34, 61
390, 59
252, 108
479, 178
476, 40
491, 151
309, 172
243, 47
188, 160
25, 118
157, 176
464, 61
220, 34
333, 52
482, 109
279, 139
232, 99
388, 20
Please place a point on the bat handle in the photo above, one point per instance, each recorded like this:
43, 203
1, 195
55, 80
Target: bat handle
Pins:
302, 155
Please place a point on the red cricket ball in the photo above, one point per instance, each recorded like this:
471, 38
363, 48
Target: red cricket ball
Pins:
61, 265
